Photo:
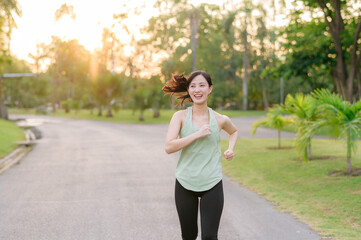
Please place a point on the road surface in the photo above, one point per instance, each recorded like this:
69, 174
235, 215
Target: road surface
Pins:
89, 180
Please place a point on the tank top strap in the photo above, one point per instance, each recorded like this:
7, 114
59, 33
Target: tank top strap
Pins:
188, 120
212, 119
189, 115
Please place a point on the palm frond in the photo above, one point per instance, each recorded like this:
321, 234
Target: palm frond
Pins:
257, 124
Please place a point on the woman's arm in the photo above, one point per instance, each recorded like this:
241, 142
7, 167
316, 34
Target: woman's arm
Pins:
229, 127
173, 143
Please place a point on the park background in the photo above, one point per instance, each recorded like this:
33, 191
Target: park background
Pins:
257, 53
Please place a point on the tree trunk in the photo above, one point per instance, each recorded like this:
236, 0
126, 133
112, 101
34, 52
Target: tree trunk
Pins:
245, 60
309, 151
194, 30
264, 94
349, 167
344, 74
109, 112
156, 112
141, 117
358, 77
279, 139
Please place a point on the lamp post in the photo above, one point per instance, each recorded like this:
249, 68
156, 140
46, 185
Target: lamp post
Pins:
3, 109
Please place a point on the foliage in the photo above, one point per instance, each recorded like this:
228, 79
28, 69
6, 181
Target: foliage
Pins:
275, 119
24, 92
7, 10
69, 69
215, 51
334, 40
106, 88
309, 55
304, 110
303, 52
343, 116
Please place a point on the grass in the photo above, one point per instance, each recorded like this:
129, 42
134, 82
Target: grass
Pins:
330, 205
127, 115
10, 133
324, 131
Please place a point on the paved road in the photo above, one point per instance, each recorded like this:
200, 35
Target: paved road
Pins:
89, 180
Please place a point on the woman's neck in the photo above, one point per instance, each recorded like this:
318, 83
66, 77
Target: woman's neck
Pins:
201, 109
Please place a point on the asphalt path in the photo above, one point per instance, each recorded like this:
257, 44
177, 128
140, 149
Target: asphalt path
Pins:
89, 180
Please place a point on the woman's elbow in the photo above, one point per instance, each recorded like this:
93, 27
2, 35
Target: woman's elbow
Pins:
235, 133
168, 149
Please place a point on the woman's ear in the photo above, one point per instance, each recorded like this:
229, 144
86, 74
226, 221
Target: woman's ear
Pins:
210, 90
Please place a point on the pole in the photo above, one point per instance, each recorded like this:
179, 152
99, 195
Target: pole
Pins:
3, 110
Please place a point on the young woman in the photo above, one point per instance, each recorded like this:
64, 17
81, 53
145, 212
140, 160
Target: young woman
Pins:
196, 131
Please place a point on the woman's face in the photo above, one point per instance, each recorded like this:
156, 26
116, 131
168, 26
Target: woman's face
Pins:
199, 89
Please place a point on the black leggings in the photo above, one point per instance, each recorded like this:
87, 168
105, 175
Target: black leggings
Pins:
211, 206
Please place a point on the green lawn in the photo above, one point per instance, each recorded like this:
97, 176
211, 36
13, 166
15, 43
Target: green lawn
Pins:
329, 204
127, 116
9, 135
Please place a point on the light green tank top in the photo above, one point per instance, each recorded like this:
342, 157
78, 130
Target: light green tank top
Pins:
199, 166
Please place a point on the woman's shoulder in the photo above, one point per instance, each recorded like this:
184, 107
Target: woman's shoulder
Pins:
221, 119
181, 114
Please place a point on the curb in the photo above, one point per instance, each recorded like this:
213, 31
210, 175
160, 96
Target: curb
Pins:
20, 152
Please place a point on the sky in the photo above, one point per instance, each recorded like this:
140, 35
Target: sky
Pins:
37, 23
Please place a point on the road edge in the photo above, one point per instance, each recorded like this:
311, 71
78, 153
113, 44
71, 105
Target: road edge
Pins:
19, 153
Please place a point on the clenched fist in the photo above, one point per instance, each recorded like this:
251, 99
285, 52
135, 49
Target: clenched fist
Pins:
204, 131
228, 154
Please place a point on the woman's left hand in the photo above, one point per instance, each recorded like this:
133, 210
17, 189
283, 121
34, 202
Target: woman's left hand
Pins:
228, 154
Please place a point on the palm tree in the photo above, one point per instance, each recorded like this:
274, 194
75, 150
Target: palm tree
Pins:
304, 109
274, 119
344, 117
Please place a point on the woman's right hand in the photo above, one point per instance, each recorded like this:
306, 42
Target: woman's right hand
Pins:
204, 131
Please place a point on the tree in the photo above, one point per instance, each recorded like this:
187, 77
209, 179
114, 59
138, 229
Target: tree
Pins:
70, 68
24, 92
106, 89
274, 119
343, 21
194, 19
38, 57
7, 23
63, 10
304, 109
247, 10
156, 97
216, 50
343, 116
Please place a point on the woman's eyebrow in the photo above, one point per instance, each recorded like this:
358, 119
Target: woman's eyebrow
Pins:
198, 83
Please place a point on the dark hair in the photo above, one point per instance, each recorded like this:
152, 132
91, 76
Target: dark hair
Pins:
179, 84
